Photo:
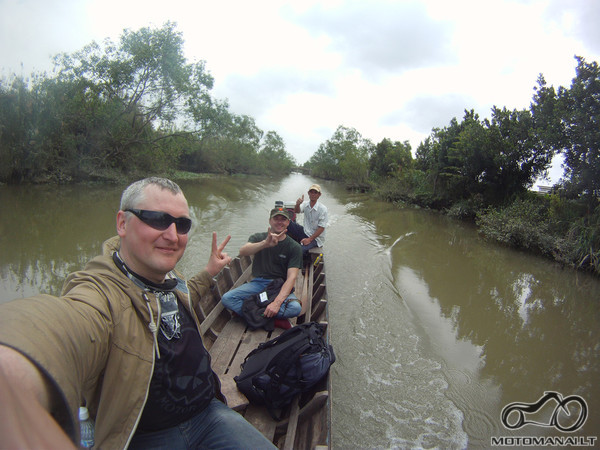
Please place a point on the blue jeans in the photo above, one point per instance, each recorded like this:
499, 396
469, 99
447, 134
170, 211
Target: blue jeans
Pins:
217, 426
234, 299
297, 233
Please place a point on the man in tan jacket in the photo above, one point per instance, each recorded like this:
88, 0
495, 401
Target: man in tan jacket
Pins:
124, 338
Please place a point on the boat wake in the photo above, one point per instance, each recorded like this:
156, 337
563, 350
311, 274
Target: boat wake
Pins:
388, 251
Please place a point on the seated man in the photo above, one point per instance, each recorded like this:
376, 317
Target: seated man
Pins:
276, 255
315, 220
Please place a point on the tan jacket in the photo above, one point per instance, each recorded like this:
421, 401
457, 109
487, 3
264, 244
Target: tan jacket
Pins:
94, 343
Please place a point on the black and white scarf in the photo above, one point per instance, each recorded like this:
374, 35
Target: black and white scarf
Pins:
170, 320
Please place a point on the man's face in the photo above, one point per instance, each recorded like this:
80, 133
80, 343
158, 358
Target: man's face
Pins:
278, 223
313, 195
149, 252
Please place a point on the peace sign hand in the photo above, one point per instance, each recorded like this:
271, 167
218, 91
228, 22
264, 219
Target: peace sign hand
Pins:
217, 260
272, 239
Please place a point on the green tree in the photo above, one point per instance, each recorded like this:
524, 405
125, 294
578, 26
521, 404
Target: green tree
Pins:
390, 158
518, 156
131, 106
469, 159
202, 153
136, 94
567, 122
272, 157
18, 152
343, 157
232, 144
580, 116
546, 115
440, 158
493, 160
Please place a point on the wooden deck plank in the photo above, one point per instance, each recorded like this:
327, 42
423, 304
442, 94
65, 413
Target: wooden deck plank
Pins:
319, 310
236, 350
223, 348
315, 403
318, 294
260, 418
290, 435
207, 323
319, 280
312, 424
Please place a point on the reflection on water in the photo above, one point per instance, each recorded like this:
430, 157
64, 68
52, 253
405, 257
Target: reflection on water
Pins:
435, 330
506, 325
48, 231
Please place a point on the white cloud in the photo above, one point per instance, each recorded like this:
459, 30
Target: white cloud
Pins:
32, 31
381, 36
392, 69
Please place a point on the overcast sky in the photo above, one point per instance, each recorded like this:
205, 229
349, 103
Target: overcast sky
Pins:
389, 69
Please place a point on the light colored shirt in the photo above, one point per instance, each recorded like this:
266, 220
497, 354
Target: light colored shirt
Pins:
314, 218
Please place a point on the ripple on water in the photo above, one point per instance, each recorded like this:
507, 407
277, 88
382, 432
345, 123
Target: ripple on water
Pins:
405, 403
476, 398
387, 391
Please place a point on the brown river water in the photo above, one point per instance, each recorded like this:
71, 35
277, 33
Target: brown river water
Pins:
435, 330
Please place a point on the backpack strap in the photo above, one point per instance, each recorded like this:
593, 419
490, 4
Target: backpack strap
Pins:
283, 362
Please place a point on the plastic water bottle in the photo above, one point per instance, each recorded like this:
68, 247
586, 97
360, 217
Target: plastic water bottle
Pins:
87, 428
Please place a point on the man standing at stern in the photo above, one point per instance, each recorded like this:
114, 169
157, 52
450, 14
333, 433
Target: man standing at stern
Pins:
315, 220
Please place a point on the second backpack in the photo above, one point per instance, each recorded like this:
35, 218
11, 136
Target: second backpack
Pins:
277, 370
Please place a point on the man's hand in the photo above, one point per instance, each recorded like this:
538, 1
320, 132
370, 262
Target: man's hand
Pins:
272, 309
298, 203
306, 241
217, 259
272, 239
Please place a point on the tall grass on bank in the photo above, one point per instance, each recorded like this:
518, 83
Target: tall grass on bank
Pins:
550, 226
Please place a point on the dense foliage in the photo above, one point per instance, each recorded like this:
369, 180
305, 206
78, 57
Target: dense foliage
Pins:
343, 157
483, 169
123, 108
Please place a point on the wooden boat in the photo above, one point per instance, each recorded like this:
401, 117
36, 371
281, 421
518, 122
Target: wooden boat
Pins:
306, 424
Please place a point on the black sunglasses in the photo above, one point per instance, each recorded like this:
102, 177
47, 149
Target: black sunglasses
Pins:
161, 220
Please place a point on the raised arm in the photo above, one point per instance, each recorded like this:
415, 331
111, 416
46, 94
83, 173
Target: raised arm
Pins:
252, 248
27, 397
298, 203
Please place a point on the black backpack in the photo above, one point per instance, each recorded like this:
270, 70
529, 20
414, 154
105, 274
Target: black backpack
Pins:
292, 363
253, 307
